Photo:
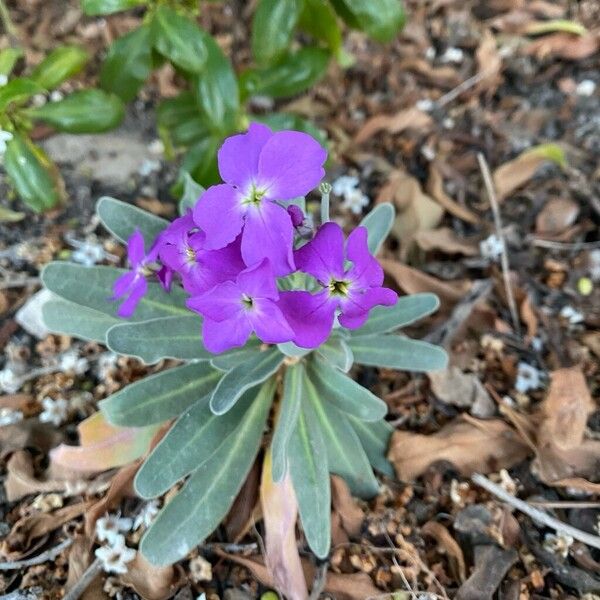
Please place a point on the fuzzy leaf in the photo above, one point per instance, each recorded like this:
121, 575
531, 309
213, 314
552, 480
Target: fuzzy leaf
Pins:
337, 353
191, 193
375, 438
232, 358
379, 224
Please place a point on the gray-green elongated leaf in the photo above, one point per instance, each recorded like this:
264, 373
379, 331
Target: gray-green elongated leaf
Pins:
398, 352
375, 439
160, 397
241, 378
345, 455
92, 287
196, 435
122, 219
203, 502
166, 337
237, 356
337, 352
307, 455
408, 309
67, 318
290, 349
293, 392
379, 224
344, 393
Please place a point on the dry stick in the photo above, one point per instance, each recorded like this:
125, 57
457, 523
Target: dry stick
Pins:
50, 554
489, 187
86, 579
564, 246
535, 513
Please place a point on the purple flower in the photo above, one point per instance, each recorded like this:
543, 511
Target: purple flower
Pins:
234, 309
133, 284
354, 289
182, 250
260, 168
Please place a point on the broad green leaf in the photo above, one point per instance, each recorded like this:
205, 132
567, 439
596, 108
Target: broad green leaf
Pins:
182, 121
406, 311
337, 352
166, 337
381, 19
30, 174
375, 439
345, 455
86, 111
241, 378
345, 393
232, 358
106, 7
398, 352
160, 397
319, 19
59, 65
209, 493
18, 91
272, 29
179, 39
92, 287
68, 318
122, 219
379, 224
196, 435
201, 161
294, 74
128, 64
8, 59
293, 392
191, 193
283, 121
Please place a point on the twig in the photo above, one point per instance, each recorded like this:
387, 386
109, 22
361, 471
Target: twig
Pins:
462, 87
564, 246
489, 186
20, 281
86, 579
231, 548
50, 554
319, 581
32, 593
535, 513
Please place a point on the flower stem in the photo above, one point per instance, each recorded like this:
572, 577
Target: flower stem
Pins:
325, 189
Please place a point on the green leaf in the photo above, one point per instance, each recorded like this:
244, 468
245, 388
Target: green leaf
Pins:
64, 317
406, 311
106, 7
292, 75
128, 64
379, 224
293, 392
122, 219
160, 397
86, 111
179, 39
10, 216
92, 287
191, 193
8, 59
283, 121
59, 65
28, 172
18, 91
272, 29
337, 352
345, 455
241, 378
307, 455
398, 352
196, 435
237, 356
201, 161
381, 19
166, 337
345, 393
206, 498
290, 349
319, 20
375, 439
182, 120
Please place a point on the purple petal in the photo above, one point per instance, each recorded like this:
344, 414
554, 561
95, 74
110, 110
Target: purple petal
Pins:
219, 303
258, 281
238, 156
296, 215
366, 271
323, 256
138, 289
221, 336
269, 323
356, 307
135, 248
311, 317
269, 233
165, 277
290, 165
219, 214
122, 284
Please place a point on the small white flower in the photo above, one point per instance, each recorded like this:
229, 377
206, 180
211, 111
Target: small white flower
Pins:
146, 515
115, 555
3, 79
452, 55
148, 167
156, 147
344, 185
39, 100
71, 361
492, 247
5, 136
109, 527
10, 382
558, 544
448, 123
537, 344
87, 252
594, 265
200, 569
355, 201
585, 88
528, 378
56, 96
55, 411
430, 53
107, 362
571, 315
428, 152
425, 104
8, 416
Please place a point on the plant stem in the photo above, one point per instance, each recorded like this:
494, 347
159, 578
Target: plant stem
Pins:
325, 190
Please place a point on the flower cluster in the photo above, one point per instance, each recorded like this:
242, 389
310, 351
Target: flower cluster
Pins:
244, 241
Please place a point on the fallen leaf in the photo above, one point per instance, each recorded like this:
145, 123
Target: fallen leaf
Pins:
445, 240
150, 581
565, 45
24, 403
408, 118
346, 517
489, 64
435, 188
449, 545
469, 444
529, 317
557, 215
443, 77
10, 216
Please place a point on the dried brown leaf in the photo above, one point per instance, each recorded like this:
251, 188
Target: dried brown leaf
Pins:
565, 45
449, 545
557, 215
408, 118
350, 514
152, 582
443, 77
489, 64
445, 240
435, 188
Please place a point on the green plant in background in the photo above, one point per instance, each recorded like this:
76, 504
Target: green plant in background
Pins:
35, 178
